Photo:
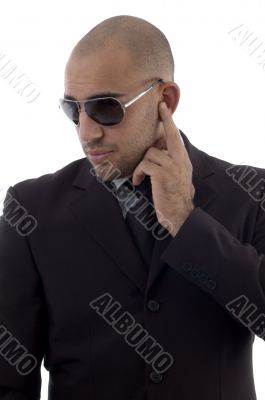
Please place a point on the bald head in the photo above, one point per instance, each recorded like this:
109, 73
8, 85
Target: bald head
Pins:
148, 48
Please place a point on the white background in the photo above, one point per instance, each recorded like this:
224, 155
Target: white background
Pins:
221, 109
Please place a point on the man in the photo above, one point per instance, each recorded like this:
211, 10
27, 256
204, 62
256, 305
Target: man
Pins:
79, 285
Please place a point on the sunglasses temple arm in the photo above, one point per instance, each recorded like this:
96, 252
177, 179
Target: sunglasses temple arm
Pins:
142, 94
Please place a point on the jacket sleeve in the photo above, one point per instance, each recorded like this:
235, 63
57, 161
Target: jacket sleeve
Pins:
233, 273
22, 310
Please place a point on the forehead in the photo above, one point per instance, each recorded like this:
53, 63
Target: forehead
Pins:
108, 70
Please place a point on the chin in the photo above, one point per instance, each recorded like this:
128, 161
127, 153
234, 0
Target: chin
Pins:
106, 171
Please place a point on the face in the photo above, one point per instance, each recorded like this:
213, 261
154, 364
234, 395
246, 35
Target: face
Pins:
111, 71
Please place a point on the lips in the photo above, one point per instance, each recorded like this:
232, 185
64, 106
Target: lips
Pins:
97, 153
99, 156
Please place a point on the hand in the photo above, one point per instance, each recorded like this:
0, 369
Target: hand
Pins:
170, 170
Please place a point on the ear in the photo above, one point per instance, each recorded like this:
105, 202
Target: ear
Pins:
170, 94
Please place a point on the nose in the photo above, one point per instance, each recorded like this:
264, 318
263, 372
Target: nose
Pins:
88, 128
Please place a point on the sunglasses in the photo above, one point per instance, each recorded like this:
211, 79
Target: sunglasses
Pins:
106, 111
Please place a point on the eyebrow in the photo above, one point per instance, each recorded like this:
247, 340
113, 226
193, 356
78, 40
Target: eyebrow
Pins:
95, 96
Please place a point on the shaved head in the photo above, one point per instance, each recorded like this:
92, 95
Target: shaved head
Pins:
148, 48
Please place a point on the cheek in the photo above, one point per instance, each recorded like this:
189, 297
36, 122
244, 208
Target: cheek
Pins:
137, 135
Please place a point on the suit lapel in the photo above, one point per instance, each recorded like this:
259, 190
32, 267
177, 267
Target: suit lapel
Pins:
99, 212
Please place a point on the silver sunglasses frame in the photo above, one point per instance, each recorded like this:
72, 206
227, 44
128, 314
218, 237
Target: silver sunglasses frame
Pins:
123, 106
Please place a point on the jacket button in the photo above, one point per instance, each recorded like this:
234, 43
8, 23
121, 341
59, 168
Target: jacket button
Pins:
211, 284
155, 377
153, 305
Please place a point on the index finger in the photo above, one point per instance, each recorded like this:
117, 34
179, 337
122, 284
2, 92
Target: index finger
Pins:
173, 137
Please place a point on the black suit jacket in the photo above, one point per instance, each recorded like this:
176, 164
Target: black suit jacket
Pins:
72, 289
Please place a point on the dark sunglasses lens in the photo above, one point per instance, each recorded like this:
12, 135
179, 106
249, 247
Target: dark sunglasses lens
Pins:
71, 110
106, 112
